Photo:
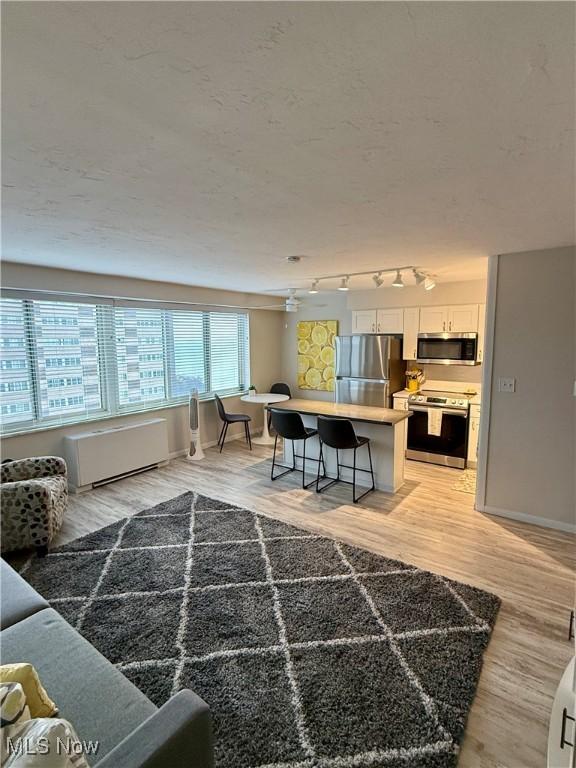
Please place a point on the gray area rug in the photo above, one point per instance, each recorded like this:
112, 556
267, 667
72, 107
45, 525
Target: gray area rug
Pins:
311, 653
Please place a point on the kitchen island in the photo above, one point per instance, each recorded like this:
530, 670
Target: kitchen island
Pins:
385, 427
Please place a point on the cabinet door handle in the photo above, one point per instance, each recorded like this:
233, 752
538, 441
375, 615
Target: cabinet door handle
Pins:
450, 325
563, 740
444, 325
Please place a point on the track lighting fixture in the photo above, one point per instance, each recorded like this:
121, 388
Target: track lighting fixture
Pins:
314, 287
379, 278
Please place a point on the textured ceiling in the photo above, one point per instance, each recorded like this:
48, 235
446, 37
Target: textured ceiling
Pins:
203, 143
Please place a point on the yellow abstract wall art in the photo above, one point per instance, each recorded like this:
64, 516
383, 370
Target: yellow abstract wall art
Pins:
316, 354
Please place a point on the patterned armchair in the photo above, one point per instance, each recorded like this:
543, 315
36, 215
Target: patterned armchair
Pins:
34, 499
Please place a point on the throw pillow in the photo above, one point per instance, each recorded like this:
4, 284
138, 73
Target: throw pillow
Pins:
13, 706
40, 704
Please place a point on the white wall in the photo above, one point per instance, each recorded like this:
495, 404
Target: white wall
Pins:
530, 471
466, 292
330, 306
265, 353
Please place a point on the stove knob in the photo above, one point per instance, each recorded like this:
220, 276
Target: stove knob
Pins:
420, 398
454, 402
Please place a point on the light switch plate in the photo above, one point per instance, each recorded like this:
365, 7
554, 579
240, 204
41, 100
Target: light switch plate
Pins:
506, 385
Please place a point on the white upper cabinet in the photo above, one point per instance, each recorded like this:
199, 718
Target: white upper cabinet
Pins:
378, 321
411, 326
433, 319
455, 319
481, 332
410, 321
390, 320
364, 321
463, 318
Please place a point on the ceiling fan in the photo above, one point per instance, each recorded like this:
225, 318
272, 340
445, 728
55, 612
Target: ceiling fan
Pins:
291, 303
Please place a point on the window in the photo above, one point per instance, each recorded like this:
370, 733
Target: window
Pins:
14, 386
189, 369
73, 328
64, 382
15, 369
133, 339
63, 362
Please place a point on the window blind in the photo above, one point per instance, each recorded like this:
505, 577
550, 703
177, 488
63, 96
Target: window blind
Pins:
63, 362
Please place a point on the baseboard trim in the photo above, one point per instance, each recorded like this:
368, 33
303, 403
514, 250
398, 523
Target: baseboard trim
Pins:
229, 438
522, 517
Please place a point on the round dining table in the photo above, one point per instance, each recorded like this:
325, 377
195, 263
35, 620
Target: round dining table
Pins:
264, 399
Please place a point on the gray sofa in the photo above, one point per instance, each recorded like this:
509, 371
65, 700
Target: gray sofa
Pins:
98, 700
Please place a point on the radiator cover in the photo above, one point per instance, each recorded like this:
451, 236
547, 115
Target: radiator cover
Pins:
105, 454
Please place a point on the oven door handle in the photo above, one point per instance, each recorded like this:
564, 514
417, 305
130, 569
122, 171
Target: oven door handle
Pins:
445, 411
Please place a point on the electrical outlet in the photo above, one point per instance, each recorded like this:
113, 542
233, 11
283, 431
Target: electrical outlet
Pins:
506, 385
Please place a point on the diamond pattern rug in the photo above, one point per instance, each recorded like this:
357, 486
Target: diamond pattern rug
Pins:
311, 653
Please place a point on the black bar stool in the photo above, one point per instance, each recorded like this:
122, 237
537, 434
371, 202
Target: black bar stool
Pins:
289, 425
340, 434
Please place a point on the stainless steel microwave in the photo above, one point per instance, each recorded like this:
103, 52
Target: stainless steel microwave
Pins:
447, 348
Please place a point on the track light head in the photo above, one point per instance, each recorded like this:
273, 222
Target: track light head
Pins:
314, 287
429, 283
398, 282
420, 277
377, 279
344, 284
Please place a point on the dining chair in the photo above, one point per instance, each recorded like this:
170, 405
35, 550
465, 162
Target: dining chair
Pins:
278, 389
231, 418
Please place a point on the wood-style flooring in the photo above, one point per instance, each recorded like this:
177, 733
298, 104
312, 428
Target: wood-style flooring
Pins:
427, 523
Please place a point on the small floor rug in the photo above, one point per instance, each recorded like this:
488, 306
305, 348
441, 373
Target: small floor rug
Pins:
311, 653
466, 482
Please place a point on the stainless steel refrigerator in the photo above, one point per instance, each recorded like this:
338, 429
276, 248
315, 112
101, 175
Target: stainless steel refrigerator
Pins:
369, 369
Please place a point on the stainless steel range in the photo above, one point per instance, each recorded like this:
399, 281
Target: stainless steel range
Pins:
438, 428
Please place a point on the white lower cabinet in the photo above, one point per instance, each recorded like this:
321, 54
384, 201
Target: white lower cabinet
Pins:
473, 432
400, 403
562, 732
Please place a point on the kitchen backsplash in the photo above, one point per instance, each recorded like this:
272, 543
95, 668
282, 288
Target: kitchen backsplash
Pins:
465, 373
